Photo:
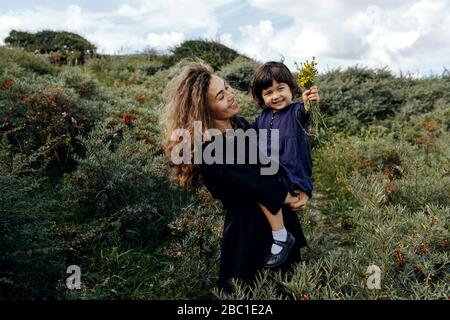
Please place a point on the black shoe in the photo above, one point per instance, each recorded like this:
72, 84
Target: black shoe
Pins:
276, 260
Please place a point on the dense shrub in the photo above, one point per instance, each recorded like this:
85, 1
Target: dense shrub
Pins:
122, 165
361, 93
403, 165
20, 63
64, 45
359, 96
215, 54
423, 95
186, 264
239, 73
115, 71
194, 251
31, 262
410, 249
43, 115
249, 110
122, 186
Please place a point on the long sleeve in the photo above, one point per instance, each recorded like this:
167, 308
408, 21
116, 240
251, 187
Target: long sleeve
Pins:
247, 181
302, 115
244, 124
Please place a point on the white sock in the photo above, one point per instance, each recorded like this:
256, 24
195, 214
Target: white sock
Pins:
280, 235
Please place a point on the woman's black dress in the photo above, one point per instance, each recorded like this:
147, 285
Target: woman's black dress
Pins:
247, 236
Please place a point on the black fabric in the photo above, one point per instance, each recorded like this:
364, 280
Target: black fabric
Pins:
247, 235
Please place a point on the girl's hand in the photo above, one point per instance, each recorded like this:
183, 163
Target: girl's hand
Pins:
311, 94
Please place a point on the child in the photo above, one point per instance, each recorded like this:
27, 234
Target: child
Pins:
273, 88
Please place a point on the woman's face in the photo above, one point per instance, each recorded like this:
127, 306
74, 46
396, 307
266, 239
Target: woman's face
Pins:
222, 99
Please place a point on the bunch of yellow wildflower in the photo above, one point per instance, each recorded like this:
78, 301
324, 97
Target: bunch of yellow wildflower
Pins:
306, 78
307, 74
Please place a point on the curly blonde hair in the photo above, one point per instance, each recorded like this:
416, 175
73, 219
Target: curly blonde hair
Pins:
186, 101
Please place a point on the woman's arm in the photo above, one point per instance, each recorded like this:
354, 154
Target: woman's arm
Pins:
247, 180
301, 201
294, 202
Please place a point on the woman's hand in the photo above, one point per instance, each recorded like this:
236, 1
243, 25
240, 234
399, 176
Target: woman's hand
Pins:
311, 94
297, 203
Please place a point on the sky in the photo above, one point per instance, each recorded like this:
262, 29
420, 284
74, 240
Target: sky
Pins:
408, 36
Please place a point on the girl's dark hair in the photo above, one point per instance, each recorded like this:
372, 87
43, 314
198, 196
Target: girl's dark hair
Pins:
264, 76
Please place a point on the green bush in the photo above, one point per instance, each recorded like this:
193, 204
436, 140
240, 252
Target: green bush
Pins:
403, 165
185, 267
43, 115
249, 110
31, 261
239, 73
360, 96
21, 63
409, 247
46, 41
364, 94
121, 186
426, 130
213, 53
116, 71
422, 95
122, 165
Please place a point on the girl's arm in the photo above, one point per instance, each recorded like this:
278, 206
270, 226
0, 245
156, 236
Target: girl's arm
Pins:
311, 94
303, 114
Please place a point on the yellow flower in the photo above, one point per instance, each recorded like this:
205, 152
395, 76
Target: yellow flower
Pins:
306, 76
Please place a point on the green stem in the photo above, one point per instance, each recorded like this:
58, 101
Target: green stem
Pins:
316, 119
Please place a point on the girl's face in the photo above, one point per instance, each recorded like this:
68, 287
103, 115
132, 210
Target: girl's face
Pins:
222, 99
278, 96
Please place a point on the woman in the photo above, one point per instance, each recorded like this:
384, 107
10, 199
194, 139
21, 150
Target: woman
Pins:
197, 94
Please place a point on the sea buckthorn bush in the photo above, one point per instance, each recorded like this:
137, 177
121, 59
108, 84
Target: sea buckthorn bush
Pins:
239, 73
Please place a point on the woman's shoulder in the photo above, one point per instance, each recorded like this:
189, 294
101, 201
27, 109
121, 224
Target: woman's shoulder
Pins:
241, 122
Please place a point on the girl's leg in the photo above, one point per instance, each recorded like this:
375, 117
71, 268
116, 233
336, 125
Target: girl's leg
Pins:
279, 232
275, 220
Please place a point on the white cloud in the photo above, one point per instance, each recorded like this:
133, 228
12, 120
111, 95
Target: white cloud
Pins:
129, 27
309, 42
258, 41
74, 18
115, 41
226, 39
404, 34
174, 14
126, 10
7, 23
165, 40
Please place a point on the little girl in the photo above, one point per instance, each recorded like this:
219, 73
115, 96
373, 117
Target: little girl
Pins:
273, 88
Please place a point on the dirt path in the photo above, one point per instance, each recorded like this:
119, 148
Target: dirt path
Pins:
326, 234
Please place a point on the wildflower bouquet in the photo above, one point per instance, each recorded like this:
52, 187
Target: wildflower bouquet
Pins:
306, 78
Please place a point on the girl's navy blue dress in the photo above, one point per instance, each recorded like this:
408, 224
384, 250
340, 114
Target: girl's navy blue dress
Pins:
294, 155
247, 235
